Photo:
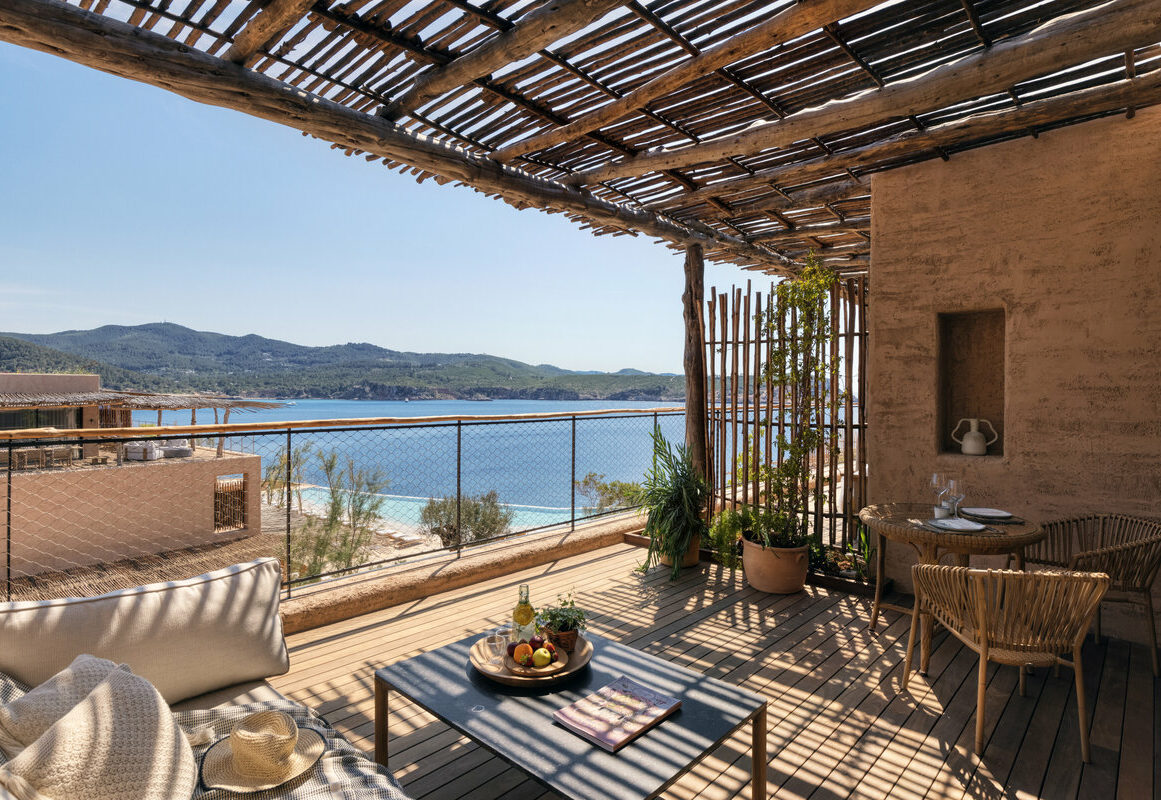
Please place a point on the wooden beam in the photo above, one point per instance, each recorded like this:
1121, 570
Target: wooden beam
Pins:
810, 197
269, 24
1139, 92
1071, 39
790, 23
695, 411
548, 24
800, 232
112, 46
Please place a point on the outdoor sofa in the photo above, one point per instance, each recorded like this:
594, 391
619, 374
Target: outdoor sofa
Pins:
207, 644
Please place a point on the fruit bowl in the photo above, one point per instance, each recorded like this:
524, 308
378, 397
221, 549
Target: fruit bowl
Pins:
512, 674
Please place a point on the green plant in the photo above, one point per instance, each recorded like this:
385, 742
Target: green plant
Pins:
341, 538
673, 493
274, 476
603, 495
759, 525
482, 517
563, 617
799, 326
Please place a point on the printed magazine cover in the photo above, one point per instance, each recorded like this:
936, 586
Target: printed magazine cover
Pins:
617, 713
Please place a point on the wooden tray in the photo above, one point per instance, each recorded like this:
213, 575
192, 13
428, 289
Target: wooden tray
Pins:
512, 674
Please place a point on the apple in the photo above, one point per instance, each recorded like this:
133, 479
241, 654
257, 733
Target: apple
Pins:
537, 641
512, 648
541, 657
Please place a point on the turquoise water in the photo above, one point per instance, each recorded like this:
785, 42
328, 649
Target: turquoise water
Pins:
530, 465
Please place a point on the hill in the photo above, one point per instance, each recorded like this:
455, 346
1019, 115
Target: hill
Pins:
21, 356
165, 356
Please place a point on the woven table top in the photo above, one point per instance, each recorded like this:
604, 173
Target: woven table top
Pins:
904, 522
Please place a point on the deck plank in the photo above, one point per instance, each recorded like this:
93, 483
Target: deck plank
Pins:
839, 725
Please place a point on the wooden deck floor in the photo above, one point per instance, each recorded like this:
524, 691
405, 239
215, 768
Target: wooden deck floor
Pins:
837, 728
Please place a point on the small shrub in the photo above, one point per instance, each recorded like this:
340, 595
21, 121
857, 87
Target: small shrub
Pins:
481, 517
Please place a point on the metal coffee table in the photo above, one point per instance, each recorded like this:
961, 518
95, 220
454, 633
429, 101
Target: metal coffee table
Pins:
516, 723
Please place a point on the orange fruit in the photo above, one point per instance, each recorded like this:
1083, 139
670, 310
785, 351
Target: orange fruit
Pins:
523, 653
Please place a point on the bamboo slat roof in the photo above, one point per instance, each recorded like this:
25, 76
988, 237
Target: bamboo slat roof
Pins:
145, 401
747, 126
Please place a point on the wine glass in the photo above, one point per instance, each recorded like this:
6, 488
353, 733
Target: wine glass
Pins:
938, 485
956, 492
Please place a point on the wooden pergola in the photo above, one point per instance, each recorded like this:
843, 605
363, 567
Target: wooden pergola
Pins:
742, 131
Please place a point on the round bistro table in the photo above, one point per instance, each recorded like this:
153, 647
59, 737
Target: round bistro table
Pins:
906, 523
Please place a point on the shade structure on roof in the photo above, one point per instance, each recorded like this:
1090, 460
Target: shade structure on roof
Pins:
131, 400
750, 127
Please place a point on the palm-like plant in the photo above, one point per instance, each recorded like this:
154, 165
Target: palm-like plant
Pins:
674, 494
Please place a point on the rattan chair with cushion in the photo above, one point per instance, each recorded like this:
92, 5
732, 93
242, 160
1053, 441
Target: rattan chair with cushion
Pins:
1009, 617
1127, 549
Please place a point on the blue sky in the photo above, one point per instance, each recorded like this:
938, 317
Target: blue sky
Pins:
125, 204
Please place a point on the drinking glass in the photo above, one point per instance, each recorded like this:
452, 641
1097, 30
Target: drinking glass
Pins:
956, 492
938, 484
496, 646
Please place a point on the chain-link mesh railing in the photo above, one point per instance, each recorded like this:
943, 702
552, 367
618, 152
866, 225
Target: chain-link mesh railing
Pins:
86, 515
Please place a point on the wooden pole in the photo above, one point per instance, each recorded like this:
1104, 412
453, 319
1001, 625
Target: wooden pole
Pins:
695, 410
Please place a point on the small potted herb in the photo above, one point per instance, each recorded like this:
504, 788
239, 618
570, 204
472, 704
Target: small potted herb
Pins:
562, 623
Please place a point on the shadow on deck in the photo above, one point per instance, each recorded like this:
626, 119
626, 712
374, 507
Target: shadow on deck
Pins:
837, 728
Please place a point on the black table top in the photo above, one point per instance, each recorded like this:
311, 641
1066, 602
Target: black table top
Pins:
516, 723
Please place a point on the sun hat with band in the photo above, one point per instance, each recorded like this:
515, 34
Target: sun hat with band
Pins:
264, 750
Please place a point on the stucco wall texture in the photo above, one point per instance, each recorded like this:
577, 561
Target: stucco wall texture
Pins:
76, 517
1064, 233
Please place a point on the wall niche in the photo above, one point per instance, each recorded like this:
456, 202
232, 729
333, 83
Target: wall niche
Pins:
971, 375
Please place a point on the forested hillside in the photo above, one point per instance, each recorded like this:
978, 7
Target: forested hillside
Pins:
171, 357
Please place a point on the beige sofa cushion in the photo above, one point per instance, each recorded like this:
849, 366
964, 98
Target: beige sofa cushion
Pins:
240, 694
186, 637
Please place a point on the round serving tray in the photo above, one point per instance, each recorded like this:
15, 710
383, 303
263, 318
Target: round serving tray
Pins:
512, 674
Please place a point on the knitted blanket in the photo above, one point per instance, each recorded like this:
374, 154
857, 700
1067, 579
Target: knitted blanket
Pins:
343, 772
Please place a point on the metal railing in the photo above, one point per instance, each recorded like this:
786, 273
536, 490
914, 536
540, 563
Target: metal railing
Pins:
93, 510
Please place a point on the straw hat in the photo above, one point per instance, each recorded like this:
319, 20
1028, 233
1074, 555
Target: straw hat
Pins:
264, 750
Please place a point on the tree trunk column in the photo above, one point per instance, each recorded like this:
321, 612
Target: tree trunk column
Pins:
695, 411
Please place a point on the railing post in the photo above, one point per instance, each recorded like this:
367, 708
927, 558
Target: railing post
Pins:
289, 475
8, 539
572, 480
459, 487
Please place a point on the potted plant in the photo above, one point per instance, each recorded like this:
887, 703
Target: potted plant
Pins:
562, 623
673, 494
775, 547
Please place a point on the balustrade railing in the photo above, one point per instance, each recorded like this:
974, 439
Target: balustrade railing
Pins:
93, 510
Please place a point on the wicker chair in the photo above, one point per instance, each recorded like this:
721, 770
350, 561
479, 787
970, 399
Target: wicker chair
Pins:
1017, 618
1127, 549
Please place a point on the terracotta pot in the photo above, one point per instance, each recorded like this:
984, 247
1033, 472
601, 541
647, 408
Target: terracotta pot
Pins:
692, 556
564, 640
777, 570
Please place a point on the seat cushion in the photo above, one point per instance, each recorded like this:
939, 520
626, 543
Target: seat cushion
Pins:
186, 637
239, 694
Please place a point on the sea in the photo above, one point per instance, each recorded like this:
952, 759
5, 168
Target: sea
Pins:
531, 466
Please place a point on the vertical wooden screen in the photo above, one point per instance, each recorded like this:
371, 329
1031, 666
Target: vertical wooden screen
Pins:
746, 410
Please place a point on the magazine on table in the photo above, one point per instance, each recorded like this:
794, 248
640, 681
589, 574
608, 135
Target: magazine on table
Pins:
617, 713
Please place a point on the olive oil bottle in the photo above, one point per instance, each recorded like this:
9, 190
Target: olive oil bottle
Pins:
523, 617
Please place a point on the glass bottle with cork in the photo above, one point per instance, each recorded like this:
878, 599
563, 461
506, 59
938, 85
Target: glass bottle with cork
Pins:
523, 617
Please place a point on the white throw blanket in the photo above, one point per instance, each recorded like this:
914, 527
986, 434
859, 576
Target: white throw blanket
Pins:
25, 719
120, 741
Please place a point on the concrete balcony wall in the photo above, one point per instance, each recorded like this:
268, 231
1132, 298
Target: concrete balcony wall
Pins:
90, 515
1063, 233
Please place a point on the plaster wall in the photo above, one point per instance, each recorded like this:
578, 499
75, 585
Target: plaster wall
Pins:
35, 382
76, 517
1063, 232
